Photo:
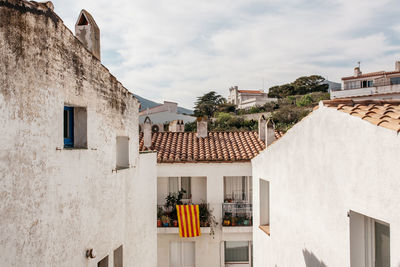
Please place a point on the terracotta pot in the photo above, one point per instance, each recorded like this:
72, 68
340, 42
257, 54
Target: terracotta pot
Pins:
159, 223
175, 222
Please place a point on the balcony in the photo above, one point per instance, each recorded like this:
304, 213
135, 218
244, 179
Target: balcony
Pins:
381, 88
237, 214
167, 216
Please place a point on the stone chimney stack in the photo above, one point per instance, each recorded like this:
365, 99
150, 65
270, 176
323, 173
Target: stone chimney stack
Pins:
147, 132
397, 66
357, 71
202, 127
176, 126
87, 31
262, 123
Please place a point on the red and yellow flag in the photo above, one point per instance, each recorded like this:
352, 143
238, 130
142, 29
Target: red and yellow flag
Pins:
189, 220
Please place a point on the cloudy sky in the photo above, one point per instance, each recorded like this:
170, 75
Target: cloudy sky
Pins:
179, 49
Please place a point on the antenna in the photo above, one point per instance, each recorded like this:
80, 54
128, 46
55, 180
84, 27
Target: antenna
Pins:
263, 84
359, 64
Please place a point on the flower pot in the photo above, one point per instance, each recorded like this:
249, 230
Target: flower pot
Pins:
159, 223
246, 222
165, 224
175, 223
227, 222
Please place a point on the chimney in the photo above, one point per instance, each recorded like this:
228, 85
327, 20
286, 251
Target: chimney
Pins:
262, 122
87, 31
269, 132
202, 127
397, 66
182, 126
176, 126
147, 132
357, 71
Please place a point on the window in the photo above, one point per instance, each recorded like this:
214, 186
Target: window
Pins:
369, 241
237, 252
395, 80
264, 206
68, 126
103, 262
75, 127
122, 152
175, 184
237, 189
118, 257
182, 254
367, 84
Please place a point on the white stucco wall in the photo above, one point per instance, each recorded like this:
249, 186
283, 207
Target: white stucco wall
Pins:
208, 249
325, 166
56, 203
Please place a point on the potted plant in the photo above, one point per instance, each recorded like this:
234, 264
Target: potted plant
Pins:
165, 220
207, 219
227, 221
233, 221
246, 221
175, 223
160, 213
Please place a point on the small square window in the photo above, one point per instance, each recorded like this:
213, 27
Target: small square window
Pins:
122, 152
75, 127
237, 252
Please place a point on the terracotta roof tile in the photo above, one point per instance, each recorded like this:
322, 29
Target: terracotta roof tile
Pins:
384, 113
251, 91
217, 147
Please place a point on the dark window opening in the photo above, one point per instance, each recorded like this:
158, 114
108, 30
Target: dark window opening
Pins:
103, 262
68, 126
83, 20
118, 257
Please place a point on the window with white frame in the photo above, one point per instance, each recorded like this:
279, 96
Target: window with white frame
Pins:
182, 254
237, 189
369, 241
237, 252
122, 152
175, 184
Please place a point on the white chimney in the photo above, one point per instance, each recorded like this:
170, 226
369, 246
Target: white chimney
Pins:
176, 126
202, 127
147, 132
357, 71
269, 132
182, 126
87, 31
262, 122
397, 66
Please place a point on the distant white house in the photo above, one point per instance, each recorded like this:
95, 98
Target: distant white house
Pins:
164, 114
213, 168
327, 192
375, 85
245, 99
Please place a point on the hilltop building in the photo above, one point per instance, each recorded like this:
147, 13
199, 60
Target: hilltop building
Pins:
326, 193
375, 85
74, 189
214, 170
244, 99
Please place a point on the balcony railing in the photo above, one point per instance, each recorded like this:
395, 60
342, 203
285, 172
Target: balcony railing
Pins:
167, 216
374, 84
237, 214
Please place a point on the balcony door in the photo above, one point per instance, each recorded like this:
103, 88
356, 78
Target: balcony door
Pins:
182, 254
237, 189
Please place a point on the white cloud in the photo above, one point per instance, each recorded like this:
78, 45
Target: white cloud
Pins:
177, 50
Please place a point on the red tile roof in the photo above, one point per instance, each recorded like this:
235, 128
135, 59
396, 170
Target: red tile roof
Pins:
251, 91
384, 113
217, 147
371, 74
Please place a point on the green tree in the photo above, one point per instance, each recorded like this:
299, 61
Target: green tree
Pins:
208, 104
308, 84
281, 91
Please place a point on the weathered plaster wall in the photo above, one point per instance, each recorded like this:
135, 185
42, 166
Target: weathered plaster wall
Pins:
208, 249
325, 166
54, 204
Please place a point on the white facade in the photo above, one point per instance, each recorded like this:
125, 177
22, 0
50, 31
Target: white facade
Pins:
330, 178
164, 113
208, 185
57, 202
245, 99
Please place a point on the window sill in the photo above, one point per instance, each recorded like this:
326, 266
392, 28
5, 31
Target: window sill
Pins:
75, 148
119, 168
265, 229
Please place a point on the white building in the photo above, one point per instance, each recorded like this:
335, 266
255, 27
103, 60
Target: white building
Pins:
214, 169
375, 85
245, 99
164, 113
74, 190
326, 193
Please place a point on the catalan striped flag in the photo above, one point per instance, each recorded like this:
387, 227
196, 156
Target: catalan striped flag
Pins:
189, 220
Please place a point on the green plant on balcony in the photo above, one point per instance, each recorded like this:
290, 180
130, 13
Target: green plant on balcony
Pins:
165, 220
207, 219
171, 201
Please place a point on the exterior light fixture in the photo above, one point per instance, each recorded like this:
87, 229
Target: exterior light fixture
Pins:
90, 253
